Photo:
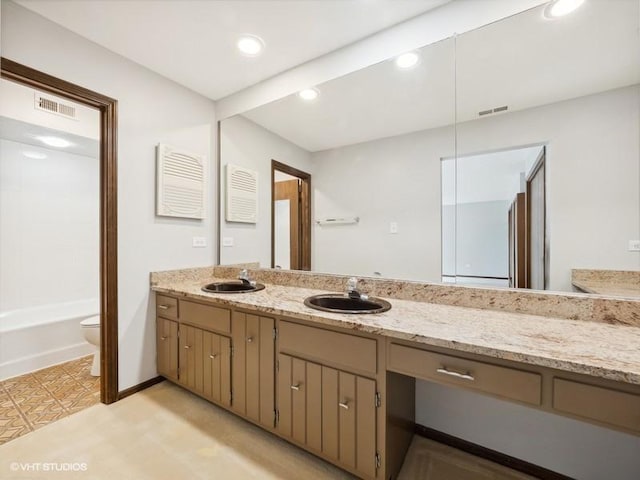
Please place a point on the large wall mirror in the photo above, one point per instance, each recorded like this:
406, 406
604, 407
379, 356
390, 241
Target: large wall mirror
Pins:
505, 156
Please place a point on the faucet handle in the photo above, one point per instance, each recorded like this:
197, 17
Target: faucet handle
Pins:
352, 284
244, 274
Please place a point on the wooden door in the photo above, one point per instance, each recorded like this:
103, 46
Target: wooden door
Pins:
289, 191
167, 348
518, 242
536, 225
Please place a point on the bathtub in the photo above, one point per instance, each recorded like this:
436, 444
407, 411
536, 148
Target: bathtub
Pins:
38, 337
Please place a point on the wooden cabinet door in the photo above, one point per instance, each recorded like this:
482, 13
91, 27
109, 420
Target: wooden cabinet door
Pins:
190, 340
254, 368
216, 368
300, 401
366, 426
349, 420
167, 348
285, 388
205, 363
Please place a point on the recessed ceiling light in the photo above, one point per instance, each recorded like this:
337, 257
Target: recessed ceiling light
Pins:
55, 142
308, 94
34, 155
559, 8
407, 60
250, 45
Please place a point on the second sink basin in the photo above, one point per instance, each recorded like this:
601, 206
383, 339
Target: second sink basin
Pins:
340, 303
232, 287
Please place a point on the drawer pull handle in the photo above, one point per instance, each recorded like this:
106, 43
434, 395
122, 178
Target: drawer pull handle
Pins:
213, 356
249, 339
163, 307
295, 387
187, 346
464, 376
344, 405
163, 338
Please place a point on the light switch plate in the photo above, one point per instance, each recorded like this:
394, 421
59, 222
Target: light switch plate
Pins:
393, 227
227, 241
199, 242
634, 245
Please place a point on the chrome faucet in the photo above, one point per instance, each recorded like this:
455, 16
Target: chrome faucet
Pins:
352, 290
244, 277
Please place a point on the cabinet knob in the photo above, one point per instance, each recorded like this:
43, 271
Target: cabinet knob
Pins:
163, 307
249, 339
213, 355
295, 387
187, 346
163, 338
344, 405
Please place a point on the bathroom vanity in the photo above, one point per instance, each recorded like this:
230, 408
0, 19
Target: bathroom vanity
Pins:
343, 386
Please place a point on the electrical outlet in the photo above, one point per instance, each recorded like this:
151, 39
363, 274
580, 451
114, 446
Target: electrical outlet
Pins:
227, 241
634, 245
199, 242
393, 227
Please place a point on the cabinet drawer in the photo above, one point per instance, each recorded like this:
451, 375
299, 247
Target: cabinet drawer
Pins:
167, 307
205, 316
492, 379
604, 405
338, 349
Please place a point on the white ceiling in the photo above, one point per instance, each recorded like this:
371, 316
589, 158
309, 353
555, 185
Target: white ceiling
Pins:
488, 177
193, 41
27, 134
523, 61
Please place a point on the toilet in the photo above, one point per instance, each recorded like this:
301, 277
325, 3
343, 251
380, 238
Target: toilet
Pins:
91, 331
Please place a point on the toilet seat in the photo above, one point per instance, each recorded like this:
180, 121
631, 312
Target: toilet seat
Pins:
91, 322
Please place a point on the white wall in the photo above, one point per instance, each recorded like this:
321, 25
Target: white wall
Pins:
573, 448
593, 169
390, 180
458, 16
49, 228
249, 145
151, 109
593, 172
18, 102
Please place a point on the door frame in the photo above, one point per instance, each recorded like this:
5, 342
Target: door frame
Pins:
108, 108
541, 162
305, 213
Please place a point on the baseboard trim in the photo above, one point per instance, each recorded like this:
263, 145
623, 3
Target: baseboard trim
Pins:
138, 388
488, 454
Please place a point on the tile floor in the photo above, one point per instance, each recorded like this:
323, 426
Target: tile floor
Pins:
35, 399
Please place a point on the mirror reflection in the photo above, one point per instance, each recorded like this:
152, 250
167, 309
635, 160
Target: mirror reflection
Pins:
504, 156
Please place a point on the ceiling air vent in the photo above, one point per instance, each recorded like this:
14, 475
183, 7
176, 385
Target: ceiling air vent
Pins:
48, 104
504, 108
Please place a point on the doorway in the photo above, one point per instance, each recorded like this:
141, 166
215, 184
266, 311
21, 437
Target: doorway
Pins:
108, 274
493, 218
290, 217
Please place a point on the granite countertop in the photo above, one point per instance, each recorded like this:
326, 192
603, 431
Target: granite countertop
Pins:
628, 290
589, 348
